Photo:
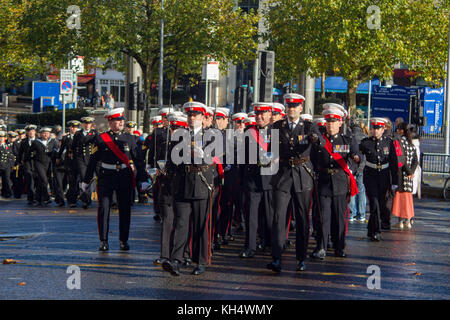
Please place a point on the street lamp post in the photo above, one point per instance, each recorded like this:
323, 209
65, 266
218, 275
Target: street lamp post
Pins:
447, 99
161, 60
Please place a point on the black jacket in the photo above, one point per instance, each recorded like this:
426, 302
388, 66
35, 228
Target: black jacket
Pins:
294, 145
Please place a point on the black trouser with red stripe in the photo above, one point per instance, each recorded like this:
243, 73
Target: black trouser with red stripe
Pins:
301, 205
108, 182
200, 230
334, 220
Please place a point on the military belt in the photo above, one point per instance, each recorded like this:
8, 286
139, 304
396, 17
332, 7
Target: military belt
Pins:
330, 171
295, 162
196, 168
113, 166
377, 166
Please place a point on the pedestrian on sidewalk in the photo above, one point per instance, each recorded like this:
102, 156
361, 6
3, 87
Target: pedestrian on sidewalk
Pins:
403, 206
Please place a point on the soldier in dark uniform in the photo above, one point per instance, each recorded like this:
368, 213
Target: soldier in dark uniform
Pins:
332, 153
236, 175
257, 187
17, 170
116, 152
65, 160
44, 150
6, 157
154, 149
26, 159
193, 195
165, 196
82, 144
220, 213
294, 180
380, 173
277, 112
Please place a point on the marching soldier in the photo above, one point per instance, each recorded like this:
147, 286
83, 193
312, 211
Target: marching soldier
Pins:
193, 197
294, 180
154, 149
116, 152
6, 157
83, 142
379, 173
333, 152
65, 158
17, 172
44, 150
26, 159
165, 196
257, 187
277, 112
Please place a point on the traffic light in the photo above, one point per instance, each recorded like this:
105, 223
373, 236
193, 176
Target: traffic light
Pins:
142, 101
132, 96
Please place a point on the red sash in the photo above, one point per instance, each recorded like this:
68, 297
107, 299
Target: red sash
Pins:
255, 133
219, 164
119, 154
338, 158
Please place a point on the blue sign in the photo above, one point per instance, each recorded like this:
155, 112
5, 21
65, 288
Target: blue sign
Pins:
47, 90
394, 102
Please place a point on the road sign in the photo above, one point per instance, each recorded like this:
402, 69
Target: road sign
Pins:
66, 80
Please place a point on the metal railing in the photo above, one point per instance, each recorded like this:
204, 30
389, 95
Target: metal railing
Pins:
435, 164
432, 133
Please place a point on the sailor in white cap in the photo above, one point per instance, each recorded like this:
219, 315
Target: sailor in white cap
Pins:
27, 162
293, 181
83, 142
66, 167
221, 117
44, 150
332, 154
194, 189
117, 153
293, 98
5, 165
208, 118
277, 112
239, 120
257, 187
380, 175
164, 113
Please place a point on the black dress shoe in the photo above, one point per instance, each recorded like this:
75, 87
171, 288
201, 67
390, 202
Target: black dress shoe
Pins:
172, 267
261, 246
85, 206
159, 261
199, 270
157, 218
275, 265
103, 246
301, 266
376, 237
319, 254
247, 253
187, 262
340, 253
124, 246
47, 202
72, 205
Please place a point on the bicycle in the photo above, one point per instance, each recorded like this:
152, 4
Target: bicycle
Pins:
446, 189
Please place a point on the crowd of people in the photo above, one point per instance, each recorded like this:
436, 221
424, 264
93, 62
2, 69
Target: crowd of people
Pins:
327, 169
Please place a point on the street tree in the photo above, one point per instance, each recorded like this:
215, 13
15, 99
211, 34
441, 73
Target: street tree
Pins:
358, 39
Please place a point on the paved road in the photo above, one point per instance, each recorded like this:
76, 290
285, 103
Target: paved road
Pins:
44, 242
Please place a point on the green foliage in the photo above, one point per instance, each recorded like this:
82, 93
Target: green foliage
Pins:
319, 35
50, 118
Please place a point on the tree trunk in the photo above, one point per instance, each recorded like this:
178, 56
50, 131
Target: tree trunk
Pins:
146, 74
322, 86
351, 97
